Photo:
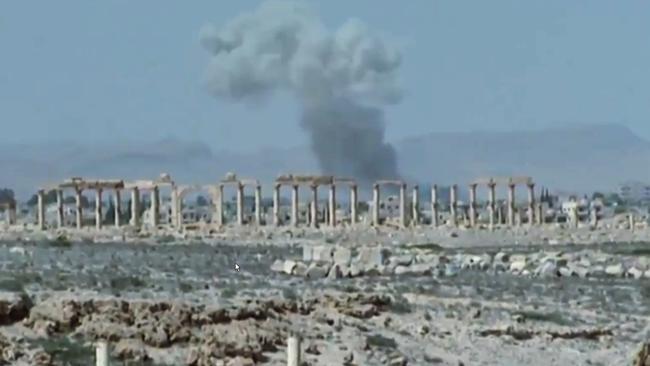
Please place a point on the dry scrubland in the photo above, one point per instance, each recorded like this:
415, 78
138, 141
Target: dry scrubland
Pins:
534, 296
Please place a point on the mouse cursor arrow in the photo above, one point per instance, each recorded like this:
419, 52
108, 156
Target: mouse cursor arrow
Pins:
236, 267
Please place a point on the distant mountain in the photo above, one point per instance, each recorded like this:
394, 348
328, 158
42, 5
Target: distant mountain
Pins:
572, 158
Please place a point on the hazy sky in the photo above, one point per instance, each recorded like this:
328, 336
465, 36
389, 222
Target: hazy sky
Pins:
107, 70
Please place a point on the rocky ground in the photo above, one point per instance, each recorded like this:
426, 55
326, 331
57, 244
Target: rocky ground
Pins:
552, 296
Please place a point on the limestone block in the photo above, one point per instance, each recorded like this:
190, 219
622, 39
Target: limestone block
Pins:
317, 270
342, 255
371, 256
615, 270
322, 253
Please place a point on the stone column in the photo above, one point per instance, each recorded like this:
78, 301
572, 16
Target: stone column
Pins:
511, 204
540, 214
155, 208
574, 216
11, 214
240, 204
294, 205
218, 206
492, 204
434, 205
135, 206
332, 205
59, 208
402, 205
353, 204
375, 204
276, 204
313, 206
173, 198
79, 217
453, 204
41, 209
472, 205
531, 204
258, 204
415, 220
594, 216
98, 208
117, 203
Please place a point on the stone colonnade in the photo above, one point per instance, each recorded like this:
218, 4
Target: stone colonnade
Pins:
534, 210
80, 185
491, 184
314, 182
240, 185
376, 200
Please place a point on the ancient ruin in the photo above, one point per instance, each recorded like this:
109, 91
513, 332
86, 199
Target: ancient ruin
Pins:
400, 208
9, 208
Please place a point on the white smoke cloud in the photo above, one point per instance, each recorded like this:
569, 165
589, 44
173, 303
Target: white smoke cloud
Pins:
340, 78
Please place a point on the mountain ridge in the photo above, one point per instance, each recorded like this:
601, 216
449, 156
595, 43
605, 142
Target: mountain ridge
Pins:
586, 157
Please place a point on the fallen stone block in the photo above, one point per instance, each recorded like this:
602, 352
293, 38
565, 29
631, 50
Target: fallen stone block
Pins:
317, 270
414, 270
307, 252
342, 255
616, 270
322, 253
371, 256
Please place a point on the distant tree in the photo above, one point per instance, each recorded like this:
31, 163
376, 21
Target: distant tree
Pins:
49, 198
613, 199
6, 195
363, 206
598, 195
109, 218
72, 200
201, 201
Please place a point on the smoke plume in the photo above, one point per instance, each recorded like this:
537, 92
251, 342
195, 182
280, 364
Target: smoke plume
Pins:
341, 79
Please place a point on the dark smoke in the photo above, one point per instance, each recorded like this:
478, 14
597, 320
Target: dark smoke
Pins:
342, 79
